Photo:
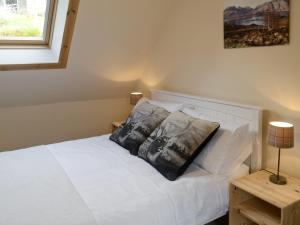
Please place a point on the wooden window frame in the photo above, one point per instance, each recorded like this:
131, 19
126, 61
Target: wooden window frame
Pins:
65, 45
47, 33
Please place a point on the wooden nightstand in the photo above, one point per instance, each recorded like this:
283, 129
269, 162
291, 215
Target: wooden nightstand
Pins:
255, 200
116, 125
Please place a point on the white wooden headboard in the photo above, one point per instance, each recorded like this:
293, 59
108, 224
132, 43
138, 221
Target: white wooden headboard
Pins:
249, 113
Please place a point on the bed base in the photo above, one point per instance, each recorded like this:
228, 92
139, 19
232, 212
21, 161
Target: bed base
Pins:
221, 221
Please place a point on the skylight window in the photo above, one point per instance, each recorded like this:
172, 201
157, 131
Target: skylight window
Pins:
26, 21
36, 34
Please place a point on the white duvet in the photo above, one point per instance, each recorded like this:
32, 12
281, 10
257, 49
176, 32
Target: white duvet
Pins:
96, 182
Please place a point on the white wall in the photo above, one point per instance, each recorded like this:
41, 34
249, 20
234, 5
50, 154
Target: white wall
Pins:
111, 40
189, 57
50, 123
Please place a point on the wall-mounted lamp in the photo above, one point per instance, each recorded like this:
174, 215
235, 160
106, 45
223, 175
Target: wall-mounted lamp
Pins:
135, 97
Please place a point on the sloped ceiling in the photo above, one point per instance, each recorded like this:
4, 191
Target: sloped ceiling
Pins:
111, 41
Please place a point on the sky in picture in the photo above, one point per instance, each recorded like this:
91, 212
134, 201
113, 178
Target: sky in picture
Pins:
243, 3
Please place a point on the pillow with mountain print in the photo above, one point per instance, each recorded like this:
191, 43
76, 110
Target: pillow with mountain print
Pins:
142, 121
173, 146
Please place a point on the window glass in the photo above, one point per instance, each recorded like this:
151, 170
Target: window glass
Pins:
23, 19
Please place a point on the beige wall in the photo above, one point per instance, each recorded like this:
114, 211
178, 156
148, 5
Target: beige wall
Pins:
43, 124
110, 53
189, 57
111, 40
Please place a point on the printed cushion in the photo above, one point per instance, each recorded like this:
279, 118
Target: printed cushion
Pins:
173, 146
142, 121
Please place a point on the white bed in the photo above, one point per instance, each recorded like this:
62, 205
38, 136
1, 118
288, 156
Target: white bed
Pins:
96, 182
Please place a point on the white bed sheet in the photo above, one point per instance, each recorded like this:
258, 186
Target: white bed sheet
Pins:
96, 182
34, 190
122, 189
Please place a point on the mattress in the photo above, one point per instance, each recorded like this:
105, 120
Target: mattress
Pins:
96, 182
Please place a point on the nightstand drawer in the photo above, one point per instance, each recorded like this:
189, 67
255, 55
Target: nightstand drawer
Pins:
256, 201
252, 209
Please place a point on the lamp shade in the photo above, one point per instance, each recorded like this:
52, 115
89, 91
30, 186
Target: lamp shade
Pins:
135, 97
281, 135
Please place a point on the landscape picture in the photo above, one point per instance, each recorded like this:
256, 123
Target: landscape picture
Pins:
253, 23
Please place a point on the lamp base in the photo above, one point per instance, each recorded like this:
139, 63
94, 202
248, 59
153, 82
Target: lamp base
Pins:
278, 180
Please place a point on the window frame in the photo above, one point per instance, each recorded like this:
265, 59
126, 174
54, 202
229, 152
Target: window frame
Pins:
48, 31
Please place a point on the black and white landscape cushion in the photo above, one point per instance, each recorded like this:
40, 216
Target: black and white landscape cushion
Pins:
142, 121
173, 146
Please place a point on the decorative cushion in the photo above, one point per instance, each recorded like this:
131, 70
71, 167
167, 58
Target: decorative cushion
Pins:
141, 122
173, 146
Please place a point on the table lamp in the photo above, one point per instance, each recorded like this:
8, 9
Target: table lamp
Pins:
281, 136
135, 97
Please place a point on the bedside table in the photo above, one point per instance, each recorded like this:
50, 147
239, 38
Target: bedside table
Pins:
116, 125
255, 200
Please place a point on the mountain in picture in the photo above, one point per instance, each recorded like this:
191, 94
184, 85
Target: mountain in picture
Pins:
249, 23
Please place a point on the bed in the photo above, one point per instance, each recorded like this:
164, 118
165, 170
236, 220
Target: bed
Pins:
96, 182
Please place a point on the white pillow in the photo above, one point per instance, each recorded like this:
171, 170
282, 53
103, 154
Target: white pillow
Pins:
229, 148
169, 106
239, 172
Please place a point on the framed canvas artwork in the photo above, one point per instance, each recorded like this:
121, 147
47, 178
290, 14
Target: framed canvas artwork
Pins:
253, 23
